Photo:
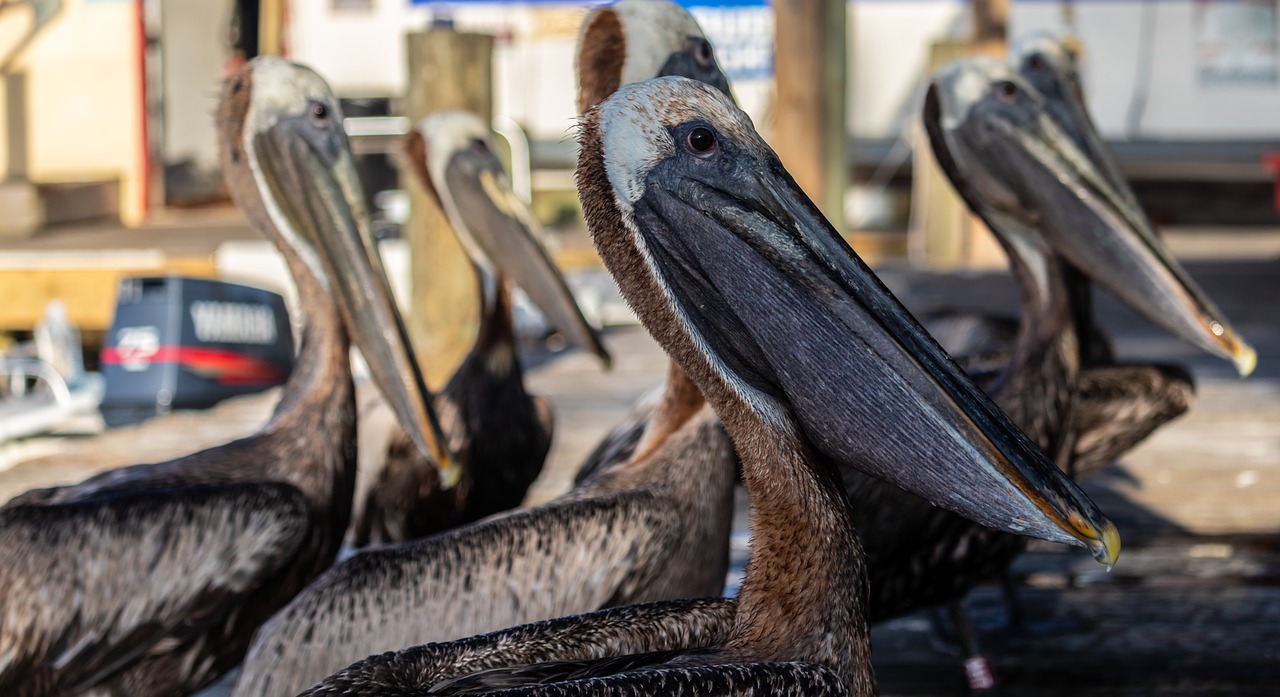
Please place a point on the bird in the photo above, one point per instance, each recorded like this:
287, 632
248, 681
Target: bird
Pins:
498, 431
651, 522
1054, 214
620, 43
151, 579
810, 362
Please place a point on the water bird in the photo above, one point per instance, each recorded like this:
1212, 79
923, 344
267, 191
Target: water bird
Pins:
811, 363
651, 521
1061, 222
151, 579
496, 430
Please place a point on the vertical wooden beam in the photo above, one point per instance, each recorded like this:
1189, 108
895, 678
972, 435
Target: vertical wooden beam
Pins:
16, 130
271, 28
810, 74
944, 234
989, 27
447, 70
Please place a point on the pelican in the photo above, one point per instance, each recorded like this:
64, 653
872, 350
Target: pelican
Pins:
624, 42
1054, 213
151, 579
811, 363
500, 432
651, 523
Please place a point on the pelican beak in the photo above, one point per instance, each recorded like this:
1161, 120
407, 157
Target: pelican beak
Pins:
1089, 222
800, 325
502, 235
314, 183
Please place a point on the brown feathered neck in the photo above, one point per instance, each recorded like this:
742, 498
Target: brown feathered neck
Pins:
1037, 387
681, 401
323, 366
803, 597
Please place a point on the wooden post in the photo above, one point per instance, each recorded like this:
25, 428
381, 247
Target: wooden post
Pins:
271, 28
944, 234
810, 74
989, 29
447, 70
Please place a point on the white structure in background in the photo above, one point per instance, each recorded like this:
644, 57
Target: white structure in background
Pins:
1175, 71
362, 53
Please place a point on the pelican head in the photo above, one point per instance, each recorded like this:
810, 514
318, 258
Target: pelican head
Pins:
452, 154
1018, 167
733, 269
633, 40
289, 166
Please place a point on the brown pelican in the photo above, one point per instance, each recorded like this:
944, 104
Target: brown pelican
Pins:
1053, 212
496, 429
651, 523
151, 579
811, 364
629, 41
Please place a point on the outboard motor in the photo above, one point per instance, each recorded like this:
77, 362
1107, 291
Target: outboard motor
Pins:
188, 343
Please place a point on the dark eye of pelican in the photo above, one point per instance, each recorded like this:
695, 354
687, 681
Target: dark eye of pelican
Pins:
701, 140
319, 112
702, 52
1036, 62
1007, 91
479, 145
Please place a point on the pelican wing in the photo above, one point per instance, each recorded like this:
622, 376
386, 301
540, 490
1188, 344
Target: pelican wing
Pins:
651, 627
1119, 406
505, 230
87, 587
560, 559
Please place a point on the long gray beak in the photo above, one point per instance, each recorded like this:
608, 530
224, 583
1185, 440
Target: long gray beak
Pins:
497, 226
314, 182
1086, 220
783, 303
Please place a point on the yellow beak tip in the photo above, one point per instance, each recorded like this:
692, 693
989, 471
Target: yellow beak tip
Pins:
1246, 359
1106, 547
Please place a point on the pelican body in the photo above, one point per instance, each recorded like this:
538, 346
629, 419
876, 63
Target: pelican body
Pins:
1024, 172
151, 579
650, 523
811, 364
495, 427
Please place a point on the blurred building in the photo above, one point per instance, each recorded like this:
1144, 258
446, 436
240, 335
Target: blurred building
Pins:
116, 96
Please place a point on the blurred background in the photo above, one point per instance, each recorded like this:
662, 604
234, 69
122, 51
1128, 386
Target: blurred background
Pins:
112, 199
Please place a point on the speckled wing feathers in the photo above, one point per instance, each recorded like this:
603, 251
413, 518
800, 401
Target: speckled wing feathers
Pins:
463, 583
103, 581
663, 626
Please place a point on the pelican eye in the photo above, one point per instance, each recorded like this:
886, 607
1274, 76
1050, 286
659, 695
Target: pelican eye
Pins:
1036, 62
701, 140
702, 52
319, 112
479, 145
1007, 91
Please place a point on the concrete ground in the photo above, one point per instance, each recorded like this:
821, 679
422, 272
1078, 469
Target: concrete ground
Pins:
1193, 607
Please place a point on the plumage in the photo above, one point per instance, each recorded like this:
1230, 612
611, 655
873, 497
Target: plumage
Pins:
495, 428
793, 342
1082, 417
650, 528
151, 579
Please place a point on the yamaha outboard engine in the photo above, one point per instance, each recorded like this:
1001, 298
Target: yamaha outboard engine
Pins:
188, 343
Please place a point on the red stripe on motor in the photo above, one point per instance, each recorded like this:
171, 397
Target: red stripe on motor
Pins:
227, 367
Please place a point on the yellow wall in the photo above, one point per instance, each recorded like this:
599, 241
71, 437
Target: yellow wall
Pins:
84, 101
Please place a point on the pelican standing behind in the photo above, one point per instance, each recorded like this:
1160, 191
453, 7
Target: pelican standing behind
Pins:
496, 429
151, 579
811, 363
1025, 176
